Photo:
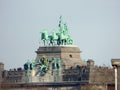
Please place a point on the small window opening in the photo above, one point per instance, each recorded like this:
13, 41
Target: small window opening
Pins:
70, 56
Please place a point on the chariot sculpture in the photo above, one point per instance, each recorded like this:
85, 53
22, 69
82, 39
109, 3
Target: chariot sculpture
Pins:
57, 38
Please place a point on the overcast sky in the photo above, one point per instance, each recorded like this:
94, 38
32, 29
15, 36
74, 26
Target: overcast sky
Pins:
94, 26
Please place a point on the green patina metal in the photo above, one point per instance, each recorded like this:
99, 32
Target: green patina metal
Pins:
43, 65
27, 67
57, 38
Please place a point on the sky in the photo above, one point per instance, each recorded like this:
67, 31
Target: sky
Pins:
94, 25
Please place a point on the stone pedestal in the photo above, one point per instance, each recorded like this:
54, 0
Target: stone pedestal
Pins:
69, 54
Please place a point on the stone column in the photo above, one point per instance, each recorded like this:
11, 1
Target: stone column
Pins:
116, 65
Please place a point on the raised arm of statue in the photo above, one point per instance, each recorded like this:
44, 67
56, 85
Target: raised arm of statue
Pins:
65, 29
61, 24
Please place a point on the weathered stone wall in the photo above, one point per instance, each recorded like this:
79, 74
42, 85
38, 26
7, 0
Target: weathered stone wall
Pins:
70, 55
93, 87
36, 87
14, 76
101, 75
92, 74
79, 73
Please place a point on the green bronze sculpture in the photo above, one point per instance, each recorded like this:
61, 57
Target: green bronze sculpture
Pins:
57, 38
42, 65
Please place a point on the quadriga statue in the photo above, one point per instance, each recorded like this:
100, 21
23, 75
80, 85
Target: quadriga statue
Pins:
57, 38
